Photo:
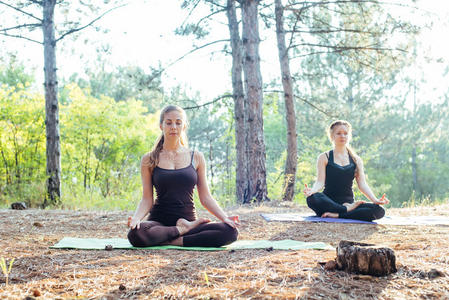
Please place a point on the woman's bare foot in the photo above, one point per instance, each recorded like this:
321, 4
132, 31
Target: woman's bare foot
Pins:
330, 215
354, 205
184, 226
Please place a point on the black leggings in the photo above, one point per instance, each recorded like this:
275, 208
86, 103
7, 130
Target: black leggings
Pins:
321, 203
152, 233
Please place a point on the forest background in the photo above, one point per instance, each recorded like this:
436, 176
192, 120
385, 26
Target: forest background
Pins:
364, 61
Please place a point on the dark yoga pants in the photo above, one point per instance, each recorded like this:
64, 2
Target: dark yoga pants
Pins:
321, 203
152, 233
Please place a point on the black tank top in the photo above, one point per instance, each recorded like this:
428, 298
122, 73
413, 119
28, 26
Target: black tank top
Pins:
339, 179
174, 194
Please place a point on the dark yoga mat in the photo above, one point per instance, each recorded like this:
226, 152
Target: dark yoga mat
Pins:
286, 217
388, 220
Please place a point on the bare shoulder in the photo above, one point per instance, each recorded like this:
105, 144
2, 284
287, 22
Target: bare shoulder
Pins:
198, 158
145, 161
358, 159
323, 157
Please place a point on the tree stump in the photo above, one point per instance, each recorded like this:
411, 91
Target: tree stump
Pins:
366, 259
18, 205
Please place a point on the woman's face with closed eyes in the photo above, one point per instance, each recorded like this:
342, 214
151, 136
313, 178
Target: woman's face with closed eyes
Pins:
173, 124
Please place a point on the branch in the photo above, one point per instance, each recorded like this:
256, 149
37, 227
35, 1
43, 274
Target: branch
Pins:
305, 101
90, 23
190, 12
210, 15
308, 4
344, 48
20, 37
208, 103
215, 3
290, 43
190, 52
22, 11
21, 26
333, 31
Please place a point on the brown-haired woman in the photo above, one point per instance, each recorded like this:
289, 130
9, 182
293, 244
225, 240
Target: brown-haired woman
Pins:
336, 170
174, 170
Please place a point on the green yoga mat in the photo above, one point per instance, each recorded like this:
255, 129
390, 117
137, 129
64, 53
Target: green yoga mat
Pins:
118, 243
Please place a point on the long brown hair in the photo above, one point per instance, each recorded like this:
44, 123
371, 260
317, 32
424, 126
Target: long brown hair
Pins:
151, 159
330, 133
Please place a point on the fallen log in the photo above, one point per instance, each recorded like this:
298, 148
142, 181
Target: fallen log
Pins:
368, 259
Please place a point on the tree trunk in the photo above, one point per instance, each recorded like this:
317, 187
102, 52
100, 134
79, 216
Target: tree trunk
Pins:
241, 146
416, 190
287, 83
254, 108
51, 107
364, 258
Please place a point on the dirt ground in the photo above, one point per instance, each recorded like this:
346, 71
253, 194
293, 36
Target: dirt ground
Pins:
45, 273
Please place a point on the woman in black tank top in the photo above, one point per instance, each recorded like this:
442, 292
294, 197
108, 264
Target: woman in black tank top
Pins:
174, 171
337, 169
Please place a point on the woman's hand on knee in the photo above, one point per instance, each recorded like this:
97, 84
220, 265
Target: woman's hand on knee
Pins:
308, 191
353, 205
133, 223
382, 201
232, 221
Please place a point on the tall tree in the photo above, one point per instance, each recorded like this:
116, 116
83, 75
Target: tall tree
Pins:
248, 97
238, 94
254, 95
53, 149
27, 11
287, 84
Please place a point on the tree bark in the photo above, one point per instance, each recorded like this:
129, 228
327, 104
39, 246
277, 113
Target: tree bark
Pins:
416, 190
254, 108
242, 183
287, 84
51, 106
364, 258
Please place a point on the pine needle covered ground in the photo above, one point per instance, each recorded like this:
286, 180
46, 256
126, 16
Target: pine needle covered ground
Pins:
422, 254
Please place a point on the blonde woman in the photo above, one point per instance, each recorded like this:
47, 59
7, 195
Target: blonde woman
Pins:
336, 170
174, 170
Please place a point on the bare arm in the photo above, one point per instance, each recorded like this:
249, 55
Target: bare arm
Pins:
206, 198
146, 203
321, 176
364, 187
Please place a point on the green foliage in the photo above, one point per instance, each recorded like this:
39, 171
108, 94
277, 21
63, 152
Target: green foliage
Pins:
103, 143
13, 74
22, 146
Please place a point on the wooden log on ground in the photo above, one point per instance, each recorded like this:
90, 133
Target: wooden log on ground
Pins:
366, 259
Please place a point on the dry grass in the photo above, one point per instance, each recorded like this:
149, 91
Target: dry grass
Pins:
261, 274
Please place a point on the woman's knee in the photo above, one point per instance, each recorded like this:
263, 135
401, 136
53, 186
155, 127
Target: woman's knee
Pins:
230, 234
135, 238
143, 236
379, 212
312, 201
